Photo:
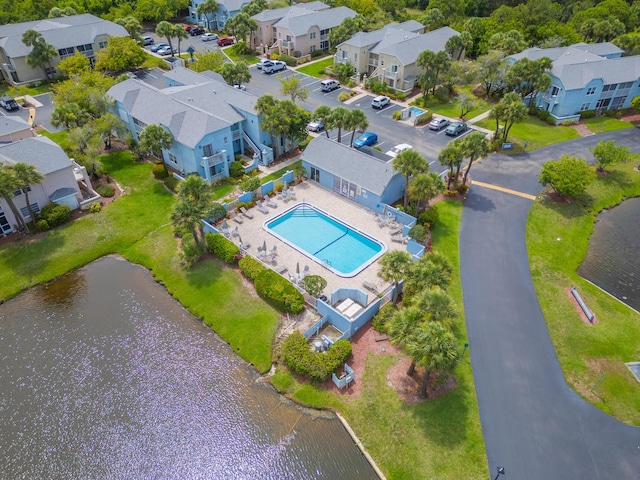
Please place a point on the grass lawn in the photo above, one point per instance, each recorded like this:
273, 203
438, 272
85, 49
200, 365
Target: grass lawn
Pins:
235, 57
586, 352
605, 124
441, 438
538, 133
137, 226
451, 109
317, 69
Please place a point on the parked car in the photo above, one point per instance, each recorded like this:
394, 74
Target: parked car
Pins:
148, 40
207, 37
399, 148
455, 129
187, 28
315, 126
196, 31
380, 101
158, 46
438, 123
329, 85
223, 42
8, 103
275, 66
166, 50
239, 86
262, 63
367, 138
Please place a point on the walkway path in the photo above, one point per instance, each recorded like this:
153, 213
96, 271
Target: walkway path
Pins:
534, 424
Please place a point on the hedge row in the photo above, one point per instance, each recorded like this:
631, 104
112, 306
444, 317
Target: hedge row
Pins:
279, 292
297, 354
251, 267
221, 247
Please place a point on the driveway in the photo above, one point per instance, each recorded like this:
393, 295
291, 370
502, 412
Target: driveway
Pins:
534, 424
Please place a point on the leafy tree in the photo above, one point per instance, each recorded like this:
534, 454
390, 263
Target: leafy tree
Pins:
629, 42
435, 348
254, 7
241, 26
41, 52
323, 113
450, 9
314, 285
193, 203
433, 64
165, 29
154, 138
394, 266
357, 120
106, 126
423, 187
87, 90
569, 177
452, 157
473, 146
402, 327
159, 10
76, 64
69, 115
120, 54
293, 87
282, 118
608, 153
343, 71
466, 103
510, 110
209, 8
8, 185
477, 29
181, 34
26, 175
395, 8
56, 12
433, 19
458, 44
299, 170
409, 163
250, 184
635, 103
508, 43
348, 28
528, 77
431, 271
204, 61
132, 26
491, 72
236, 73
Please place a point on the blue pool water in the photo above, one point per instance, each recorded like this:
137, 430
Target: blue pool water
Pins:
325, 239
416, 112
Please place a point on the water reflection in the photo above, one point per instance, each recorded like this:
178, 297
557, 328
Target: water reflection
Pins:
126, 384
613, 258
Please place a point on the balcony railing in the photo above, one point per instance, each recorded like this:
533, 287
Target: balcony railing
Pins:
213, 160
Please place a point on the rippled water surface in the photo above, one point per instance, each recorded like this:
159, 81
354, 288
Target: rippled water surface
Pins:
613, 259
104, 375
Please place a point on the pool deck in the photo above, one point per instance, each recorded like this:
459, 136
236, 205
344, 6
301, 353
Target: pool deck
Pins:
251, 231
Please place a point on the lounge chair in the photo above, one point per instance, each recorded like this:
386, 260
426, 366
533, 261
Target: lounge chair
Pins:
261, 207
400, 239
269, 202
234, 232
235, 217
245, 246
274, 251
396, 231
245, 213
370, 286
292, 193
305, 271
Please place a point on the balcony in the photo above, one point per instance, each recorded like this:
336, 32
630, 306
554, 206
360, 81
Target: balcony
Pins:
213, 160
392, 75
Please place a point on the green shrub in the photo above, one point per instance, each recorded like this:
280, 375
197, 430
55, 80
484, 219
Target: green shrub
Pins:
56, 214
191, 251
236, 170
106, 191
314, 285
95, 207
297, 54
397, 115
588, 114
250, 267
442, 94
424, 118
217, 211
344, 96
290, 61
222, 247
297, 354
343, 71
42, 225
303, 144
613, 113
543, 115
462, 189
380, 322
567, 123
250, 184
316, 53
418, 233
159, 171
171, 183
429, 218
279, 292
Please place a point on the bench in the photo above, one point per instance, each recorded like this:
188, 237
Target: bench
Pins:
344, 305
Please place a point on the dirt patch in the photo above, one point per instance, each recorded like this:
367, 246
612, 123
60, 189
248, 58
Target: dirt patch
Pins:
408, 387
631, 116
576, 306
582, 129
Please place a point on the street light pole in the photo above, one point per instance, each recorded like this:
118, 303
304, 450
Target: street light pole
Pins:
500, 472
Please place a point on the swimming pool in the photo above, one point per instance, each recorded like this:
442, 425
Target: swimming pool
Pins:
416, 112
341, 248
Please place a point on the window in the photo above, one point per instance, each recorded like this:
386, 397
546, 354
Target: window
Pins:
585, 106
625, 85
21, 191
312, 35
394, 68
345, 54
226, 140
618, 102
611, 87
207, 150
173, 159
24, 211
313, 48
5, 227
356, 57
315, 174
102, 44
555, 91
603, 103
591, 90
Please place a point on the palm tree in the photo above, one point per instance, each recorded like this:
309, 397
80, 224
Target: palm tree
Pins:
433, 347
357, 120
438, 304
423, 187
25, 176
473, 146
402, 327
165, 29
193, 203
339, 119
432, 270
8, 185
154, 138
394, 265
408, 163
208, 6
180, 33
323, 113
41, 52
452, 156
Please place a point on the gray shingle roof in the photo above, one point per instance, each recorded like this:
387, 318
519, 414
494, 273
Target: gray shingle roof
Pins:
9, 125
190, 111
346, 162
365, 39
300, 20
40, 152
60, 32
604, 48
406, 50
277, 13
233, 5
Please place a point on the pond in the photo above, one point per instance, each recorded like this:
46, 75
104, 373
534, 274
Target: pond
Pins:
104, 375
613, 262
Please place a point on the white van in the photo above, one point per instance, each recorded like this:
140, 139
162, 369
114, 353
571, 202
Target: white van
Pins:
329, 85
380, 101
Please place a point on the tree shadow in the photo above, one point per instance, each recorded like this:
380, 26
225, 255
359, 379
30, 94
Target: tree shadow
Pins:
479, 202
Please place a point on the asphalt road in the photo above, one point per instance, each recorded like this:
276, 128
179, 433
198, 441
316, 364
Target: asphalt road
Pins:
534, 424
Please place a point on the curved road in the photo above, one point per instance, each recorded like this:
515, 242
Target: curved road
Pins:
534, 424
